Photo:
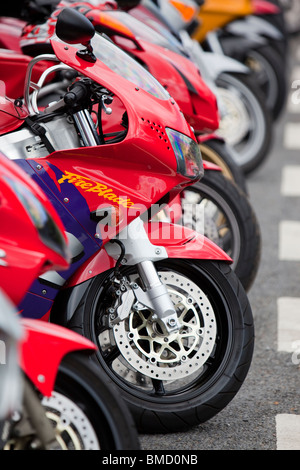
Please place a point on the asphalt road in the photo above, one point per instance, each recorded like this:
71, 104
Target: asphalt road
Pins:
272, 388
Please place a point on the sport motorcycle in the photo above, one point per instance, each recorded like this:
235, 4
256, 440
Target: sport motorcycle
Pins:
229, 219
171, 320
52, 397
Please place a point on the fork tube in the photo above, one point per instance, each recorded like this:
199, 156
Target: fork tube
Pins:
85, 125
159, 296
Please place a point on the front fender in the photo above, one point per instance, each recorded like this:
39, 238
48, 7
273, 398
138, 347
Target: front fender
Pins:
238, 47
202, 138
254, 27
182, 242
178, 241
217, 64
210, 166
43, 348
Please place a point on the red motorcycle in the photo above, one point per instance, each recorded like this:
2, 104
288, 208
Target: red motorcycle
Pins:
61, 400
172, 323
221, 198
229, 219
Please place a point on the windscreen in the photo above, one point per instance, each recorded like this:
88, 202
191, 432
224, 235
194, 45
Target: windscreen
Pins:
152, 32
122, 64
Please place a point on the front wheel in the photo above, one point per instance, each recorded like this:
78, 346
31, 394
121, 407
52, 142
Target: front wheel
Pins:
218, 152
218, 208
270, 73
173, 381
246, 123
85, 410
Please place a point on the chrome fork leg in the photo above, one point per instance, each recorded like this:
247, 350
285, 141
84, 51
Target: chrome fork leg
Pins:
158, 296
140, 252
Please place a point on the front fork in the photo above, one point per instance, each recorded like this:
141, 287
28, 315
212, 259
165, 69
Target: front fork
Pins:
29, 428
139, 251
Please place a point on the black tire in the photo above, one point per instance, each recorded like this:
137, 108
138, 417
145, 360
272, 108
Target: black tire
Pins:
218, 152
269, 71
246, 125
94, 404
229, 221
160, 405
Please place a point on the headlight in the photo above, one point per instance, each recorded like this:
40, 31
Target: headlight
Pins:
48, 230
188, 155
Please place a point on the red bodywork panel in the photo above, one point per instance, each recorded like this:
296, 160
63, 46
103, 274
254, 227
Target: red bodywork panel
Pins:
24, 256
11, 116
42, 349
195, 99
180, 243
176, 73
27, 256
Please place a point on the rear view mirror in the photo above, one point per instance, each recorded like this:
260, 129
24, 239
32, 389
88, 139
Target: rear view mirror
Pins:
74, 28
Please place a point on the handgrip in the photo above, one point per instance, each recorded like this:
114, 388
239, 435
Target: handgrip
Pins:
76, 94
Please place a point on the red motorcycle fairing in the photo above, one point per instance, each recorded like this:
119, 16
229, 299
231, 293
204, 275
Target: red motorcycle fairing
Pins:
182, 80
204, 137
52, 343
26, 251
139, 122
129, 186
102, 174
210, 166
180, 243
174, 71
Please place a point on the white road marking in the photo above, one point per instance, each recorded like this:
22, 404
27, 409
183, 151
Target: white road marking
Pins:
291, 137
293, 101
290, 182
288, 323
288, 432
289, 237
292, 106
295, 73
288, 308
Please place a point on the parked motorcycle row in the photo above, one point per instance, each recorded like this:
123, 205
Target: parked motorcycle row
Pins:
128, 238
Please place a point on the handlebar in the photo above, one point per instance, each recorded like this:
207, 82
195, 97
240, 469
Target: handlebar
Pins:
76, 95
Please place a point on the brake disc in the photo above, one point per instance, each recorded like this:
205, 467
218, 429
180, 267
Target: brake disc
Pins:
151, 351
72, 427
